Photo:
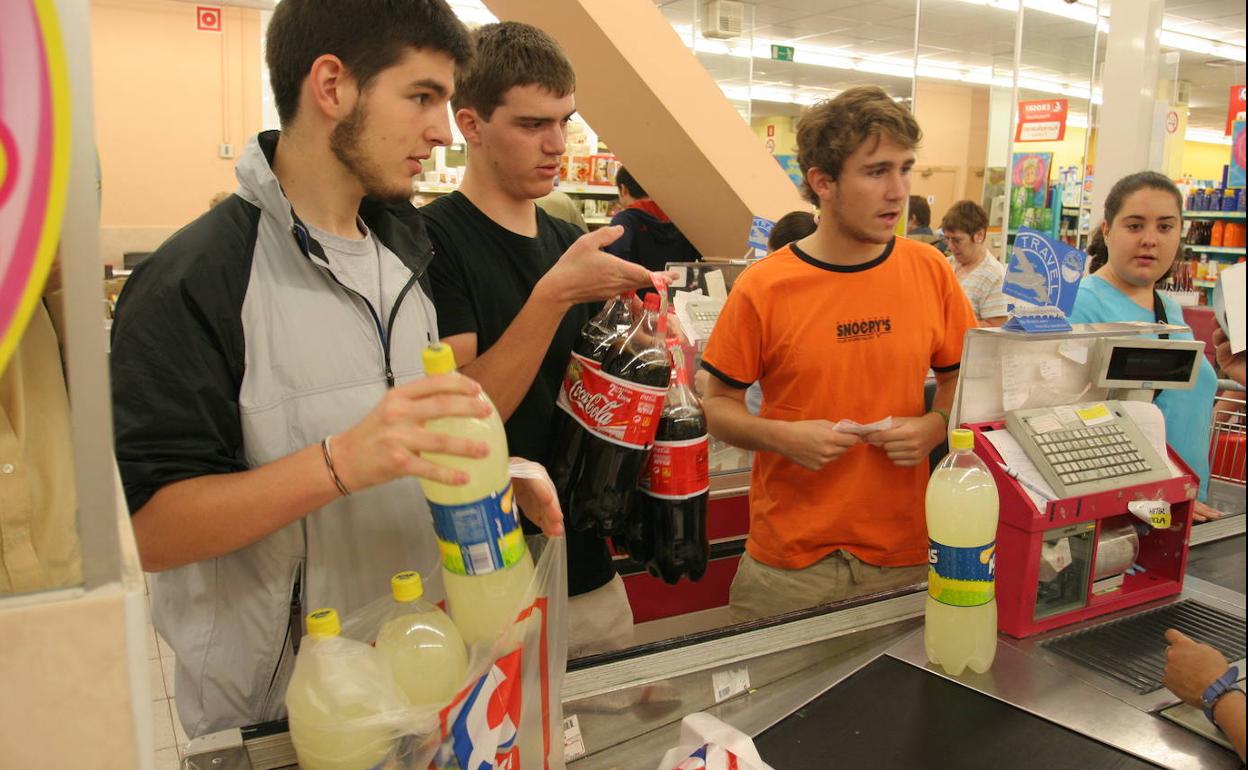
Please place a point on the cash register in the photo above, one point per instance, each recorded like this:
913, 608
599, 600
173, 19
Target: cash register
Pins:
1094, 516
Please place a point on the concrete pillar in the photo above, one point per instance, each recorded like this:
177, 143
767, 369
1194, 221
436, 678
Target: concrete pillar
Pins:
1129, 87
657, 109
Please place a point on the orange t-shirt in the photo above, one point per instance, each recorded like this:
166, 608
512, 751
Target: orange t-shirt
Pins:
830, 342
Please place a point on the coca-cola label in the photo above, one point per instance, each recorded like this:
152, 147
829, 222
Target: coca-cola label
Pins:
677, 470
616, 410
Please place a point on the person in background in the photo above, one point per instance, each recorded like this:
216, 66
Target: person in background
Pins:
269, 402
560, 205
1132, 251
1192, 669
793, 226
842, 324
513, 285
980, 274
650, 239
38, 502
1231, 364
919, 224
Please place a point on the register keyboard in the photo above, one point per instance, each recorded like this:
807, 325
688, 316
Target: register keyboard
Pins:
1086, 448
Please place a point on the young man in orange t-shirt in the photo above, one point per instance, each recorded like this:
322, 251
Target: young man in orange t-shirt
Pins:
841, 325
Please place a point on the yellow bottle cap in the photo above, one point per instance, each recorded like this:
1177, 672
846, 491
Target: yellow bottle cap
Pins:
324, 623
961, 438
406, 586
438, 359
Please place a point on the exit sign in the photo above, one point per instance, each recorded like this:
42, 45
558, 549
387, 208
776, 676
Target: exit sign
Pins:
782, 52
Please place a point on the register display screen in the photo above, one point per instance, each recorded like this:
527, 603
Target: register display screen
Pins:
1150, 364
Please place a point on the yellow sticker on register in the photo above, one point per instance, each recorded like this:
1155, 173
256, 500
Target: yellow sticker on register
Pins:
1094, 415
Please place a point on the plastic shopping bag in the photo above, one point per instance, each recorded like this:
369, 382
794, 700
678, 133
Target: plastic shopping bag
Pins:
506, 716
709, 744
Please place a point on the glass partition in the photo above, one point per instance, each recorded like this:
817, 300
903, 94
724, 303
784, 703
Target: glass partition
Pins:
1052, 128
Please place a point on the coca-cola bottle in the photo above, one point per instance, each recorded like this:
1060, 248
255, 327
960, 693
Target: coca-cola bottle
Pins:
668, 530
621, 406
590, 349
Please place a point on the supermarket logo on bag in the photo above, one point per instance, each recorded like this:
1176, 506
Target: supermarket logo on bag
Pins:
483, 736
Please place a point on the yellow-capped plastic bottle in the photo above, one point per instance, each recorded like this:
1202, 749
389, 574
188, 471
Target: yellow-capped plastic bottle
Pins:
425, 650
960, 622
336, 698
486, 565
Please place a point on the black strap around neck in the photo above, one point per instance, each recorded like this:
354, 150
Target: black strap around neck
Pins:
1159, 313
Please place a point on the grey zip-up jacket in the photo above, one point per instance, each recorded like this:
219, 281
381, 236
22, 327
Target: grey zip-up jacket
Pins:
234, 345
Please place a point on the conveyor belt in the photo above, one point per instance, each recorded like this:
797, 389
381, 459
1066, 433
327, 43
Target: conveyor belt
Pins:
893, 715
1133, 650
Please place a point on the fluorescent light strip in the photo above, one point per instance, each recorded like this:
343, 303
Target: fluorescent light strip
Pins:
1171, 36
1207, 135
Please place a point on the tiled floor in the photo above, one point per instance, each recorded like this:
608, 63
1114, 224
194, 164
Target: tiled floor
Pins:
170, 739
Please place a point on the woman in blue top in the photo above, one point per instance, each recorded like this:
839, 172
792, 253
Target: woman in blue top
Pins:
1137, 245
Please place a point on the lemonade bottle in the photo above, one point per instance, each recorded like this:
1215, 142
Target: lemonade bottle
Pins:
960, 627
425, 650
486, 566
336, 700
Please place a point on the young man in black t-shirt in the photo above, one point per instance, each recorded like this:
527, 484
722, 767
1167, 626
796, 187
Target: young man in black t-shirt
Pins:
511, 283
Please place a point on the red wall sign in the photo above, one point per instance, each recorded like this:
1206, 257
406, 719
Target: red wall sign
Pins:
1234, 107
208, 18
1041, 121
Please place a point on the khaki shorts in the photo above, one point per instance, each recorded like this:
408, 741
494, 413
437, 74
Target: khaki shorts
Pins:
759, 590
598, 621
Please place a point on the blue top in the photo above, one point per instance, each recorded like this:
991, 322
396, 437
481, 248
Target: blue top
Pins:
1188, 413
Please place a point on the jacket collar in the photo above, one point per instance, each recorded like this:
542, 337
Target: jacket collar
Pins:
398, 225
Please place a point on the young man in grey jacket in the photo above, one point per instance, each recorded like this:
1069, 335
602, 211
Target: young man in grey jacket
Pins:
269, 399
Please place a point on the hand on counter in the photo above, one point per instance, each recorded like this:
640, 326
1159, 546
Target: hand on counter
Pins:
813, 444
910, 440
388, 442
1191, 667
1203, 512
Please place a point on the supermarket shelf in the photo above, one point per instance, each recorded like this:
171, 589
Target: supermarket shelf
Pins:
1204, 284
573, 188
597, 220
435, 188
1227, 250
1213, 215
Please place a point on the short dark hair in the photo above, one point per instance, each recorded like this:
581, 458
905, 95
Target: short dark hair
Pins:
367, 35
627, 181
793, 226
1124, 188
830, 131
509, 54
921, 212
965, 217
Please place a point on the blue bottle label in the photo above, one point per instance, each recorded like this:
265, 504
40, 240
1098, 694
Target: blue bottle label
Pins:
479, 537
961, 577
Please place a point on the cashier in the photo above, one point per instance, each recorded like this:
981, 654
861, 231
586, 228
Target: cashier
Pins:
843, 324
1135, 249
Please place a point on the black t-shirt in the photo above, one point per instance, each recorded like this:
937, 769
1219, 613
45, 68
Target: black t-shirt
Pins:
482, 274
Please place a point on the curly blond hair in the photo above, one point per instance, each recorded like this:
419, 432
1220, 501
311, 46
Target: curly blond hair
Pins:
831, 130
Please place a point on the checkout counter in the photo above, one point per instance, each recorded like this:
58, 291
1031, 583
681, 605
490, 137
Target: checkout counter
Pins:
1076, 682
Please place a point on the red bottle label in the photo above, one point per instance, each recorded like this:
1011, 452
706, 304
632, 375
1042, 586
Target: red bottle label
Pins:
677, 470
619, 411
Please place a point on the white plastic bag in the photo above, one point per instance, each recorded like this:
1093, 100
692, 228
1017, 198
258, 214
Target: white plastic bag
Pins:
508, 712
706, 743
